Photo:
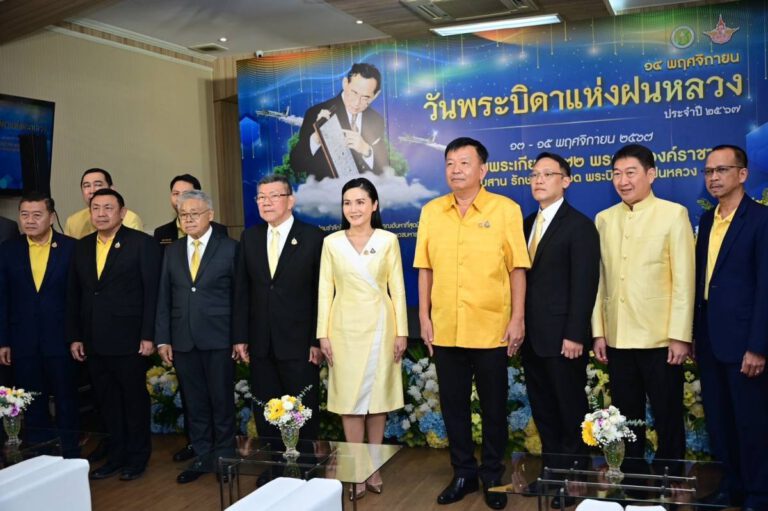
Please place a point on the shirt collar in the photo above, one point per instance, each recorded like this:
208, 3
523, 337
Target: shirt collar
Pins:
643, 204
50, 239
203, 239
480, 200
283, 228
550, 211
726, 220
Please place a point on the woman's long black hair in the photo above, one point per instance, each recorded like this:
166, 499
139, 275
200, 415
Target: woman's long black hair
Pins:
367, 186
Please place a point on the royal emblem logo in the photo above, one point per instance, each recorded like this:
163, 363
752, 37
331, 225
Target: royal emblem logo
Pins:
722, 33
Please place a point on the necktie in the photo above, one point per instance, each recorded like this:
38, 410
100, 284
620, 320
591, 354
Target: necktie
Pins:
353, 122
273, 255
194, 264
536, 235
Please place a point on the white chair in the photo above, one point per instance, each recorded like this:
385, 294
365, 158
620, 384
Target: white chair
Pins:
598, 505
46, 482
286, 493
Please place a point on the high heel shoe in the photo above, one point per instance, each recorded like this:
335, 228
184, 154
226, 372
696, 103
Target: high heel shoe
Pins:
375, 487
356, 491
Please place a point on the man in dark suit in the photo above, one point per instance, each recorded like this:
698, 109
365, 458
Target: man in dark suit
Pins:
363, 127
8, 229
33, 294
170, 232
193, 330
731, 329
112, 300
560, 294
275, 318
165, 235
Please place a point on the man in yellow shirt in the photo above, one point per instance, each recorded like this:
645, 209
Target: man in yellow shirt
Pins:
472, 256
731, 329
644, 310
78, 225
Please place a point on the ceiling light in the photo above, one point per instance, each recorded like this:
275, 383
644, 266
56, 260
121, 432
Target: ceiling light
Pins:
470, 28
222, 39
359, 22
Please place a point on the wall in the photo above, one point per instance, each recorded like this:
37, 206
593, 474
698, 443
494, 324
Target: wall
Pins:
143, 117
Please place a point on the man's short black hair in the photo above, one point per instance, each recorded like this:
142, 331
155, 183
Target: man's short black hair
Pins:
187, 178
107, 176
108, 191
367, 71
642, 153
741, 154
35, 196
460, 142
559, 159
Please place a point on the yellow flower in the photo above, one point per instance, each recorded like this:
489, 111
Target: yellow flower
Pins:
433, 440
697, 410
587, 434
653, 438
532, 438
251, 427
688, 398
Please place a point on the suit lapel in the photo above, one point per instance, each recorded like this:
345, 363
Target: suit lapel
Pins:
115, 250
739, 218
182, 259
550, 232
210, 251
28, 266
291, 245
53, 258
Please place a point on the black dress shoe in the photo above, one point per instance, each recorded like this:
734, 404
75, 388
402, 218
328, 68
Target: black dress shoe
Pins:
493, 499
184, 454
188, 476
129, 474
556, 503
455, 491
106, 470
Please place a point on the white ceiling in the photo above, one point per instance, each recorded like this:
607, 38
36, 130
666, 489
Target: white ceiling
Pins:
249, 25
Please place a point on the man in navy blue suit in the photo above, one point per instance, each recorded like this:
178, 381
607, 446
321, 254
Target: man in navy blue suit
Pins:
731, 329
33, 289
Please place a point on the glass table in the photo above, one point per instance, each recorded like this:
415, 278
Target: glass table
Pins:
262, 458
678, 484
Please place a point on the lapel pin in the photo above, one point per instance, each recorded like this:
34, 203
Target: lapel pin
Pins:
373, 251
487, 224
54, 245
365, 252
294, 241
117, 245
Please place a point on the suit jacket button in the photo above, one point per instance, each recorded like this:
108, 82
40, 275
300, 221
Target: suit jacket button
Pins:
194, 289
271, 286
95, 293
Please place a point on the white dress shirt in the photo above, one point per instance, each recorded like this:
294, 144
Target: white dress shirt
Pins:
284, 229
547, 214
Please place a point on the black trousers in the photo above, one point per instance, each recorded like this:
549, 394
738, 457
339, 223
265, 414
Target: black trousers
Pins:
455, 369
120, 383
555, 388
635, 374
50, 376
273, 378
736, 411
208, 378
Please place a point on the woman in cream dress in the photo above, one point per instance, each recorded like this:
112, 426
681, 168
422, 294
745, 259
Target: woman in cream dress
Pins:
361, 319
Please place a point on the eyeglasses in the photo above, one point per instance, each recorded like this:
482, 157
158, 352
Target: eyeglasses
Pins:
261, 199
719, 170
629, 173
192, 216
546, 175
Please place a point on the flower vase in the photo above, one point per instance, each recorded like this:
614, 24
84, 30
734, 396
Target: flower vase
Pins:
614, 456
290, 437
12, 427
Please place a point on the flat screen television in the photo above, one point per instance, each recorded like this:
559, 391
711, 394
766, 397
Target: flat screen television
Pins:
26, 144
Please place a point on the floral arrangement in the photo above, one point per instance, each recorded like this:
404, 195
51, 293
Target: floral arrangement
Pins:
166, 412
13, 401
287, 411
607, 425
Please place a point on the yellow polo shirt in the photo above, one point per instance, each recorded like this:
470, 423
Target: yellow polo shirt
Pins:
646, 290
716, 237
78, 225
102, 251
471, 258
38, 258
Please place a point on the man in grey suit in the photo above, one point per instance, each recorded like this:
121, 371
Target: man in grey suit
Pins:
193, 330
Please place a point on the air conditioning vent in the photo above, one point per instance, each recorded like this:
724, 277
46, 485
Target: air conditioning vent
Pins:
208, 48
451, 11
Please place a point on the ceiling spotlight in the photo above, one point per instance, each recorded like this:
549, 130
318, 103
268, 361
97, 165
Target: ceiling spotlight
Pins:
222, 39
471, 28
359, 22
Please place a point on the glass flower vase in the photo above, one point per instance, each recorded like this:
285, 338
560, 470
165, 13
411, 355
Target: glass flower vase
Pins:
290, 436
12, 427
614, 457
